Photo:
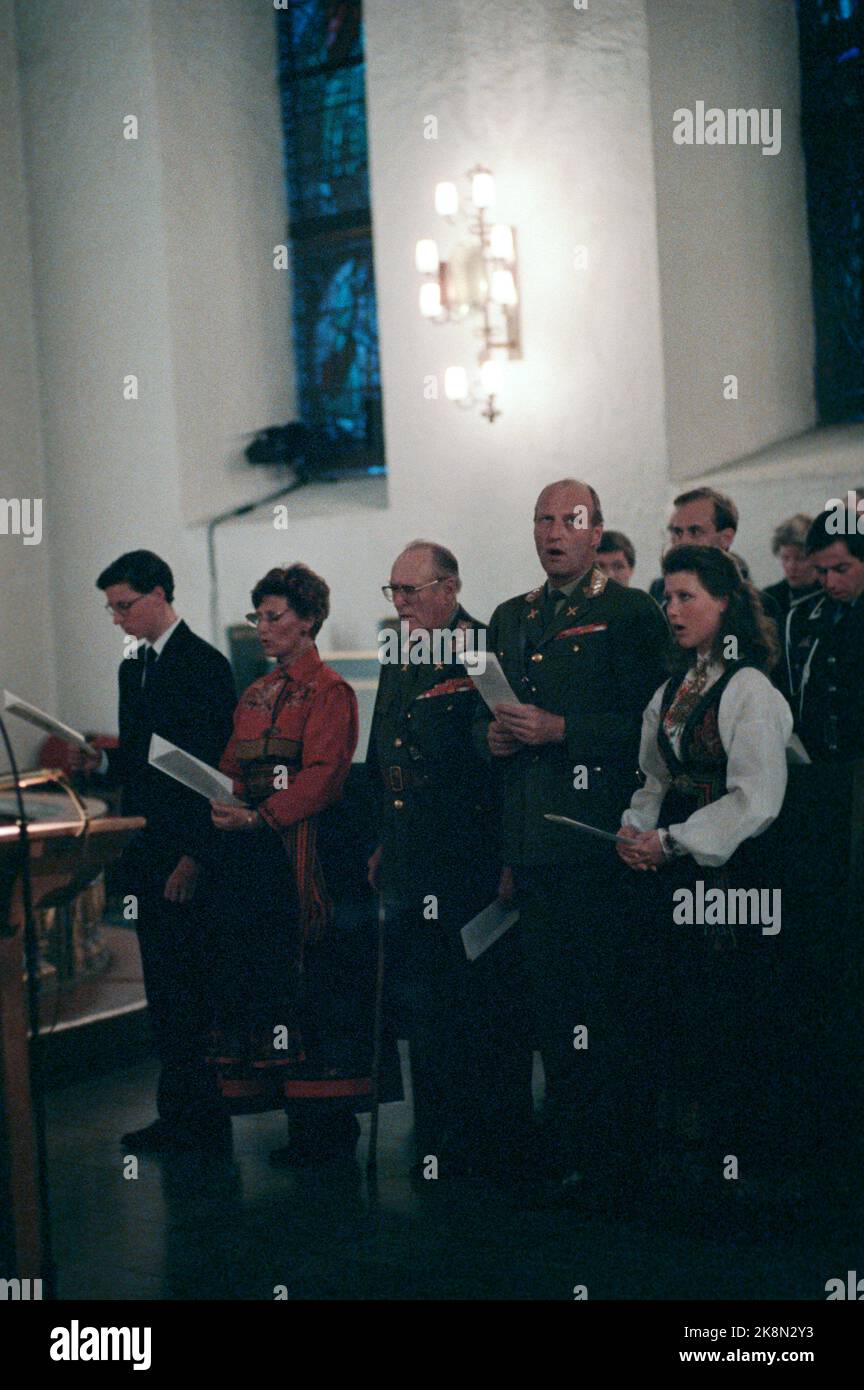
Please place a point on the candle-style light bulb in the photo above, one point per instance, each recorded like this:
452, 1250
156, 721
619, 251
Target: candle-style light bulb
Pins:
483, 189
456, 383
490, 376
503, 289
501, 242
426, 256
446, 199
430, 299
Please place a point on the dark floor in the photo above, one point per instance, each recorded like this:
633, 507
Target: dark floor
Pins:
192, 1228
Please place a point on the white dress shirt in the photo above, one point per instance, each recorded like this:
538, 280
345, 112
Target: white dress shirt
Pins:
159, 645
140, 654
755, 725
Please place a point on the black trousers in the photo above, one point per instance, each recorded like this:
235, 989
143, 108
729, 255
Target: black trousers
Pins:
466, 1029
594, 992
170, 938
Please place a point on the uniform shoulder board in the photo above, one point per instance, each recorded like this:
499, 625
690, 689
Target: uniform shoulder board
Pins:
533, 594
597, 582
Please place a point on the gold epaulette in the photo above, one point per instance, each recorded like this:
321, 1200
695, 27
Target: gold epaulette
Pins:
597, 582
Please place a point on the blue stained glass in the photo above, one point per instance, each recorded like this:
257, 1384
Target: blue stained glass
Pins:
326, 152
322, 89
312, 33
831, 36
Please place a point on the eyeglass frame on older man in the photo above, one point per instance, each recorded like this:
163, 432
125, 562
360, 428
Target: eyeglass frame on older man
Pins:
391, 590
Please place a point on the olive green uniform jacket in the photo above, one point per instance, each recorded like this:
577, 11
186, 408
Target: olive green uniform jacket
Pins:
436, 811
597, 664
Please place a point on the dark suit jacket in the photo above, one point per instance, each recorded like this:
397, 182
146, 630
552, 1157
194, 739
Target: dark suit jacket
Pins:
189, 699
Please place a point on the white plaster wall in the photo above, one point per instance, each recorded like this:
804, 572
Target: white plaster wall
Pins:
102, 312
798, 475
732, 232
220, 145
556, 101
151, 257
26, 646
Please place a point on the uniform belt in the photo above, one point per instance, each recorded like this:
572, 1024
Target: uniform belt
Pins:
393, 778
397, 778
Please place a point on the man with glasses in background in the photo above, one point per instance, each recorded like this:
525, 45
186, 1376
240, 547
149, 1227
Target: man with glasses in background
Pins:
174, 684
437, 865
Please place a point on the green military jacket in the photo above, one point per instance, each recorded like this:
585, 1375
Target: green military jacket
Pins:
435, 799
597, 663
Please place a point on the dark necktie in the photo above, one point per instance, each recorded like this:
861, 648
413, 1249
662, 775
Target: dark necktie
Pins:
150, 659
549, 606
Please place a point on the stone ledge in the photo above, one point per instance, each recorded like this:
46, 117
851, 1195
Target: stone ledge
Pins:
831, 450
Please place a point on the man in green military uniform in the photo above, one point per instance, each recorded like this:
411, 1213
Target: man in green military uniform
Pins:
584, 655
438, 864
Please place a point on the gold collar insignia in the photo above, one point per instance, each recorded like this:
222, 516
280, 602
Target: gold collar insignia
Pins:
597, 582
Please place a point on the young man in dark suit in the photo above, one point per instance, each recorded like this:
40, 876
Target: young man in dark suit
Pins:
176, 685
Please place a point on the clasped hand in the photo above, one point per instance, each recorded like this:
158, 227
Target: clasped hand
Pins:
517, 725
227, 817
640, 849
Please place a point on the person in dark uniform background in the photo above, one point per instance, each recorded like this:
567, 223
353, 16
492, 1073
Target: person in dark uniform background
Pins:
176, 685
789, 544
704, 516
438, 864
584, 655
828, 643
794, 594
616, 556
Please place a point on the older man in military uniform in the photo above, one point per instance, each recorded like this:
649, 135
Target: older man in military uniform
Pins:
584, 656
438, 864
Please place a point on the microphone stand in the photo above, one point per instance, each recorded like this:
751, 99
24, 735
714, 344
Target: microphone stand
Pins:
215, 521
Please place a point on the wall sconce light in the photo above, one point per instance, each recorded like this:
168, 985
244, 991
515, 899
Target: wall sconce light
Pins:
477, 284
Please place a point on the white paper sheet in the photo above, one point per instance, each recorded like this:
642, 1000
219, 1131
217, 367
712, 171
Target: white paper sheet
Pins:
46, 722
492, 683
191, 772
484, 929
586, 829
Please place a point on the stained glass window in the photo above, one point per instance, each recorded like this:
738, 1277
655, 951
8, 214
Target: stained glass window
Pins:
322, 88
832, 115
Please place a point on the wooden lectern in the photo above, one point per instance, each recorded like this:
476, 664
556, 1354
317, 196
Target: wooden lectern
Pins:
65, 856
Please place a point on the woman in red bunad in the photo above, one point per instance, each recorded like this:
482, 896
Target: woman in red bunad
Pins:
295, 731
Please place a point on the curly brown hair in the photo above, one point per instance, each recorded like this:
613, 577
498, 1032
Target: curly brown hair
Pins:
304, 591
744, 619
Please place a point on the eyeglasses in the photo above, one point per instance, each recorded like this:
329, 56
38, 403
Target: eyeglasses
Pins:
124, 604
256, 619
391, 590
